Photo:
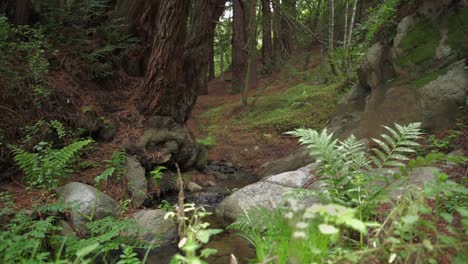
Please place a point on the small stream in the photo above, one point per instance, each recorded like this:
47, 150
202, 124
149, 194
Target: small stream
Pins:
227, 243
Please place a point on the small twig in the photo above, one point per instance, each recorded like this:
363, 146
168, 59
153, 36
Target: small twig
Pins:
180, 202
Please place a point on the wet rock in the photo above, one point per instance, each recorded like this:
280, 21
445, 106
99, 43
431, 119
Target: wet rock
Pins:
154, 228
89, 201
206, 199
260, 194
136, 181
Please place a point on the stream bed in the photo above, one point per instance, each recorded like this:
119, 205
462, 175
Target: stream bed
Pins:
228, 242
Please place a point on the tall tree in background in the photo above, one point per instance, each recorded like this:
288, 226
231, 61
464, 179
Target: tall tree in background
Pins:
218, 12
251, 48
159, 94
266, 35
197, 49
239, 42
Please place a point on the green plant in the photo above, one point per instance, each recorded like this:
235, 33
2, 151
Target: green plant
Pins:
421, 226
46, 166
166, 206
296, 234
378, 19
25, 46
443, 144
195, 234
124, 206
352, 174
115, 167
129, 257
157, 174
209, 142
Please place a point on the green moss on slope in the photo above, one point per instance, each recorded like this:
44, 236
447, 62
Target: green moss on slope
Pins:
299, 106
420, 43
457, 23
430, 77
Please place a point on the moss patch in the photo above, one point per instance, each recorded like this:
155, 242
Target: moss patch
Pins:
457, 24
420, 43
303, 105
430, 77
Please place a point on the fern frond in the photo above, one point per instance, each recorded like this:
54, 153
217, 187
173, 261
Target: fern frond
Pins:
400, 142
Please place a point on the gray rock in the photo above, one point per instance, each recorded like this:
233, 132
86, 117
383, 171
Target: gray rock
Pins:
154, 228
295, 160
193, 187
293, 179
136, 181
88, 200
440, 100
260, 194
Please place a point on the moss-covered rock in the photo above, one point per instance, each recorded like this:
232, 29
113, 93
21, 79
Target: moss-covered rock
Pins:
457, 24
419, 43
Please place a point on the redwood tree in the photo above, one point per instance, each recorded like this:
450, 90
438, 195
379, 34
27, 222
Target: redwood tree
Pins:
159, 94
239, 42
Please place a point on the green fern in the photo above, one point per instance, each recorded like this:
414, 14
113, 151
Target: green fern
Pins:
393, 150
350, 172
47, 166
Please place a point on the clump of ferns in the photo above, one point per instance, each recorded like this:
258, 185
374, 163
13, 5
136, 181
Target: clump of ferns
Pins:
356, 177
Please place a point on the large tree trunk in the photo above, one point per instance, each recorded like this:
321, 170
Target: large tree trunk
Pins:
266, 37
19, 12
239, 42
159, 94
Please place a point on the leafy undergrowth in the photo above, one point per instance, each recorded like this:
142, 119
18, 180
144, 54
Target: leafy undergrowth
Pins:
303, 105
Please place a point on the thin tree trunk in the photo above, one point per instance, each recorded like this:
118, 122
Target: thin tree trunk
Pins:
277, 47
211, 66
239, 42
348, 45
345, 35
251, 6
221, 62
266, 37
159, 94
218, 11
316, 15
331, 37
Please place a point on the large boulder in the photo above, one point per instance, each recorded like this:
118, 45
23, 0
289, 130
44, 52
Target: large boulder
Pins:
295, 160
260, 194
90, 202
154, 228
419, 78
136, 181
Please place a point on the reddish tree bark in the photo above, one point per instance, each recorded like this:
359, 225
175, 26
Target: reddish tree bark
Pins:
159, 94
239, 42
